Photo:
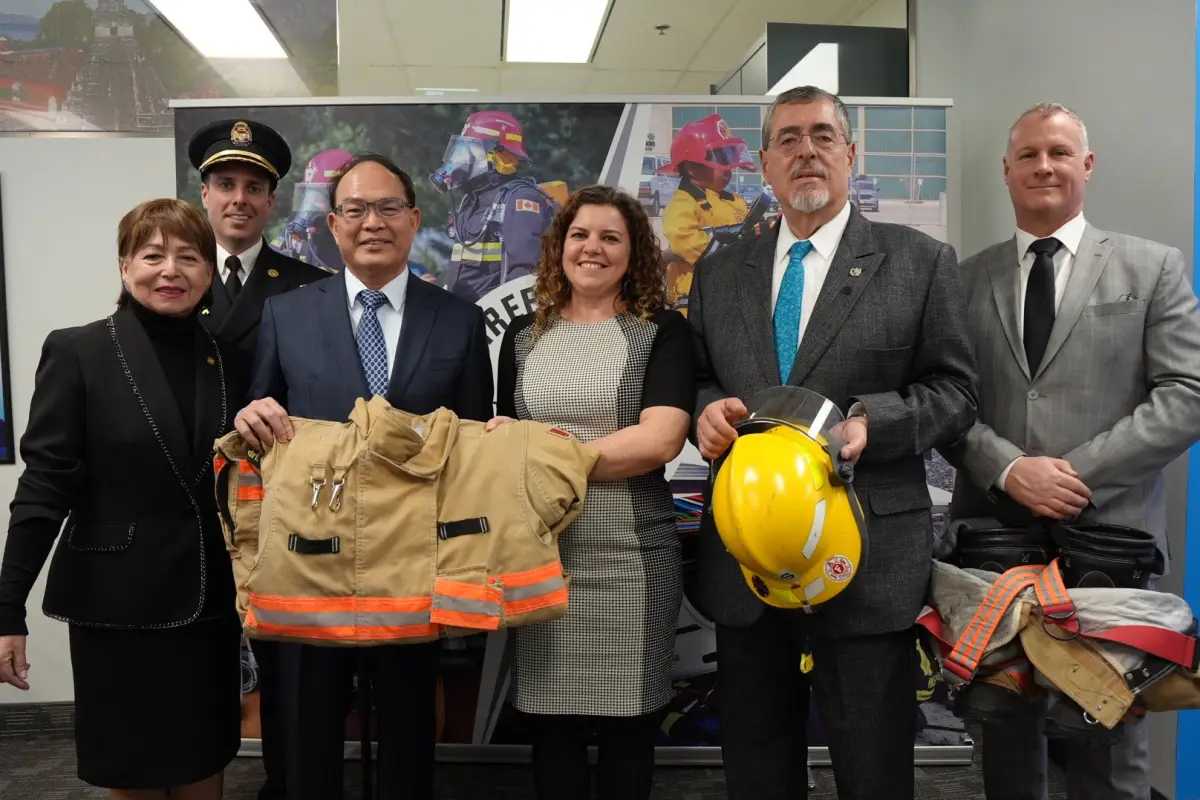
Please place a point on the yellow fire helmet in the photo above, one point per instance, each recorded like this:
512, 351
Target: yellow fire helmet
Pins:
783, 500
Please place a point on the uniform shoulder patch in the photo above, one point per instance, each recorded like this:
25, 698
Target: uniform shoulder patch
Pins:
522, 204
560, 433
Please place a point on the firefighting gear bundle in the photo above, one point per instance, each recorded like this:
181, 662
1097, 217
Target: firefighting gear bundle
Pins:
1016, 625
395, 528
783, 502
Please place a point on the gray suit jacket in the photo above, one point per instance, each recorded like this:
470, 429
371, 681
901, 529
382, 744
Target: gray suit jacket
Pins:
1117, 393
893, 336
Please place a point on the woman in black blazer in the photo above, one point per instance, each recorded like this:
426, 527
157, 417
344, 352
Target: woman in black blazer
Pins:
119, 442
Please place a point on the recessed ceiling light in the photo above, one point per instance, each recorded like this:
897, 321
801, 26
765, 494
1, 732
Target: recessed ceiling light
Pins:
552, 31
221, 28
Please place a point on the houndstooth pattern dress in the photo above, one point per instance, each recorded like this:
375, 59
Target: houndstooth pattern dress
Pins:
611, 653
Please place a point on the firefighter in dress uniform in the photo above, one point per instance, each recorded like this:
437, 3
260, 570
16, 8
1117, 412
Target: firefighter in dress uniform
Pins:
704, 154
497, 224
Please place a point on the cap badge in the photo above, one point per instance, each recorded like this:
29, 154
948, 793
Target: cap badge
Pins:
240, 135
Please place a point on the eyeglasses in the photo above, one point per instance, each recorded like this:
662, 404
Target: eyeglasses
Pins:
385, 207
789, 143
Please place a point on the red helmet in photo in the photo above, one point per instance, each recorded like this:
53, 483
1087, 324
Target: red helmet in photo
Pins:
708, 141
496, 129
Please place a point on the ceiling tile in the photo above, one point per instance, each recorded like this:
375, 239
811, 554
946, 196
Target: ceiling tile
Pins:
527, 79
361, 39
731, 40
631, 81
697, 82
630, 40
484, 80
462, 33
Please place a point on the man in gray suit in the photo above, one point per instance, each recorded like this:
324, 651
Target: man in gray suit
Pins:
870, 315
1089, 352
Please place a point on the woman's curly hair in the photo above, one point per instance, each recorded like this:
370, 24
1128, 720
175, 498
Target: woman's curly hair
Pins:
644, 288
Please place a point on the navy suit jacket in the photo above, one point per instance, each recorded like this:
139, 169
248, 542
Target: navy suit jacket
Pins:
307, 357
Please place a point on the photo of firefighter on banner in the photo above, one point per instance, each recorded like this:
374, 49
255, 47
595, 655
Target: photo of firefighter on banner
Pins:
489, 179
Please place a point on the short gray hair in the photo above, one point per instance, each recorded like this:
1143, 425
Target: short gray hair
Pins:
802, 95
1050, 109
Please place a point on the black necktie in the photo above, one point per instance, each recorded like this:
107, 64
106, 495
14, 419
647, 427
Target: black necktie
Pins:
1039, 301
233, 284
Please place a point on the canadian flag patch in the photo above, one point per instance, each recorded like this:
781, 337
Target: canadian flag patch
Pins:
527, 205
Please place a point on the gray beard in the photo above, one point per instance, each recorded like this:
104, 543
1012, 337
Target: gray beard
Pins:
809, 201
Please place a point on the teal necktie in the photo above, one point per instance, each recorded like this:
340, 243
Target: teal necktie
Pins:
788, 307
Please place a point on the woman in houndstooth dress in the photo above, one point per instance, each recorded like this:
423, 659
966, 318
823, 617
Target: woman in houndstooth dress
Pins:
605, 360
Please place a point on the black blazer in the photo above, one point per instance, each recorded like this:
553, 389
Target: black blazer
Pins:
308, 362
106, 448
237, 323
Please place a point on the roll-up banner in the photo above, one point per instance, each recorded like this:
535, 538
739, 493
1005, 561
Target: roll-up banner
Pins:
477, 244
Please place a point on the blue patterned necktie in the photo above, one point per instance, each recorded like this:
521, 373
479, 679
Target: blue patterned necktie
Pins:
788, 307
372, 348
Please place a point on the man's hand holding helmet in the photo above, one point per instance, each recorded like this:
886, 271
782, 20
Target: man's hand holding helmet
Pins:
854, 433
714, 429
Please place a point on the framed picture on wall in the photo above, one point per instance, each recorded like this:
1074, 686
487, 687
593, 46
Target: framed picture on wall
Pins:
8, 448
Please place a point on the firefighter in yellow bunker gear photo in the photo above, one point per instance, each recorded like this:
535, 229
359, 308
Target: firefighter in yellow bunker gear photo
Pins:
704, 154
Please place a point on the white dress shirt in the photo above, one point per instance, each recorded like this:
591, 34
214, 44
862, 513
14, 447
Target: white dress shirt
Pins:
248, 257
390, 314
1071, 235
825, 241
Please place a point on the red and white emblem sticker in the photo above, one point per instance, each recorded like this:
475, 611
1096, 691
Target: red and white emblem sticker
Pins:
838, 569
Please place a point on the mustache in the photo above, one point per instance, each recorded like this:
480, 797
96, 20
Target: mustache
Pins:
804, 170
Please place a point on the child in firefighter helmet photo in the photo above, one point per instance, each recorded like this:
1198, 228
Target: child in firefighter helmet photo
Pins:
703, 215
784, 503
498, 210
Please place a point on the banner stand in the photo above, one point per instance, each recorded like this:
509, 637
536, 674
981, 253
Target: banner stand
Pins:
923, 755
483, 251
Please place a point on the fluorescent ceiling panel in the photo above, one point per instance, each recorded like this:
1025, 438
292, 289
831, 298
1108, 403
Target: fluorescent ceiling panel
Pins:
819, 68
552, 31
436, 91
221, 28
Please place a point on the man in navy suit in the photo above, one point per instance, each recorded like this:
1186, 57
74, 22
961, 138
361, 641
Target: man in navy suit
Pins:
374, 328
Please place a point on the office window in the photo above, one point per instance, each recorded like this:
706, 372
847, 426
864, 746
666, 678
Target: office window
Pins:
741, 116
930, 119
682, 115
929, 142
930, 188
893, 188
930, 165
889, 141
889, 118
888, 165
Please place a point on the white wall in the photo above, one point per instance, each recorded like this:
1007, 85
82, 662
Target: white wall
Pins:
884, 14
62, 198
996, 59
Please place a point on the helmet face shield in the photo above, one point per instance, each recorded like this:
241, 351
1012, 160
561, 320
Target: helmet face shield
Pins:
465, 159
804, 411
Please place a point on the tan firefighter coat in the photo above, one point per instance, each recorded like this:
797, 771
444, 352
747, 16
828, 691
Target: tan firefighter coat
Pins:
394, 528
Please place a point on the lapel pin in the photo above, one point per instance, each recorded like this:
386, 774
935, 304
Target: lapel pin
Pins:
274, 273
212, 362
855, 272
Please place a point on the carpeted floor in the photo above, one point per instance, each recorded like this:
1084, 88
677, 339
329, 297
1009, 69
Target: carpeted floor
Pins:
42, 767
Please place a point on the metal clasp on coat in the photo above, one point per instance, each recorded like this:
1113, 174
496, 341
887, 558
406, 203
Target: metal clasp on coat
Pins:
318, 482
339, 480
